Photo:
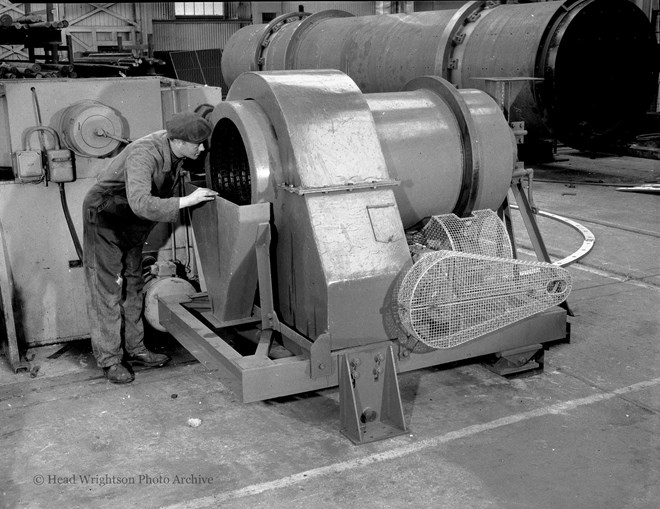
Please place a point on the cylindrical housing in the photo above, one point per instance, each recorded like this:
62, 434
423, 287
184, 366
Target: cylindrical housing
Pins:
163, 287
84, 125
597, 59
451, 150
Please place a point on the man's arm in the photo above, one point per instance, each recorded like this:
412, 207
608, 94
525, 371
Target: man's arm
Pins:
140, 167
199, 195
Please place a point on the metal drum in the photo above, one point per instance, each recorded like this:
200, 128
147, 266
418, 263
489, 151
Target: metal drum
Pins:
596, 60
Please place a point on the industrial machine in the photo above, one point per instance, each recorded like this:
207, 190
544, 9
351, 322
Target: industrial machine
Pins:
359, 231
585, 69
56, 135
363, 224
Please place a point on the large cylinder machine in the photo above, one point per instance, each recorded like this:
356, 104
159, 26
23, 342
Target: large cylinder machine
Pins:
364, 224
586, 68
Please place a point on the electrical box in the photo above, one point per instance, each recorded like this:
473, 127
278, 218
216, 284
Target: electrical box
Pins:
59, 161
28, 166
60, 165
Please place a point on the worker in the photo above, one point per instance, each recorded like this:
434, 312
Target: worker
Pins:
130, 196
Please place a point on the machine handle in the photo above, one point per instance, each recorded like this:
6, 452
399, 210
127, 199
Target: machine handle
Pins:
104, 134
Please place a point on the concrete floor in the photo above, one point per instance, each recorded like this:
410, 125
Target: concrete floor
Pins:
585, 433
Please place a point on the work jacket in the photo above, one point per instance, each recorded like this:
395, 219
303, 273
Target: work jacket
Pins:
143, 176
134, 191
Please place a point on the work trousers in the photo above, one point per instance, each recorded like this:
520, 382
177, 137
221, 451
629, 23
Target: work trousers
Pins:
113, 238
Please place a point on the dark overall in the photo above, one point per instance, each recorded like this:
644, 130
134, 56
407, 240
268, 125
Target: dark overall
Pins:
113, 239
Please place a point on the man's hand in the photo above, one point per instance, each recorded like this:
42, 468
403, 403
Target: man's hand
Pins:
199, 195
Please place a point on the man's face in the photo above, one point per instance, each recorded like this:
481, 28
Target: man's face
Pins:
189, 150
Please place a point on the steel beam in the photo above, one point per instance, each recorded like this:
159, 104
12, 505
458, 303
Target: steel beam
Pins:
257, 378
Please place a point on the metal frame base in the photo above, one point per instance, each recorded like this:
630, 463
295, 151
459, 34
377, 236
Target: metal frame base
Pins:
370, 406
257, 377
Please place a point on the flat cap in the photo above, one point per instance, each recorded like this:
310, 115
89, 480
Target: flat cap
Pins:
188, 126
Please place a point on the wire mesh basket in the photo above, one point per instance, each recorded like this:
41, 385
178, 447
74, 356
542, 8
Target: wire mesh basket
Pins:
449, 298
482, 233
465, 282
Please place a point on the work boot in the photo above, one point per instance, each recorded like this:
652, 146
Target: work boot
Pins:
118, 374
147, 358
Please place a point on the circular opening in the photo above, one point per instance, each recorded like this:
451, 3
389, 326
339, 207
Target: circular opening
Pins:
368, 415
604, 71
229, 168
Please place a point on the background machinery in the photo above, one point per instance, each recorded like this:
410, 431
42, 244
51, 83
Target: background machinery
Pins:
586, 70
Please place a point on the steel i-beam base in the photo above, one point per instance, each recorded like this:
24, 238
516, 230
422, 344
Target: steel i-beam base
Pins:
370, 406
257, 377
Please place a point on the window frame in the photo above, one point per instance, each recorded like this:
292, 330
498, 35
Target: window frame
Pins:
200, 16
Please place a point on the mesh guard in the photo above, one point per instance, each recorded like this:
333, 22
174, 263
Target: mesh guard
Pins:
450, 297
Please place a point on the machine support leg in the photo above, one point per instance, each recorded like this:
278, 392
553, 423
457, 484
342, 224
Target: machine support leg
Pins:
519, 360
265, 279
265, 340
370, 406
504, 213
528, 215
320, 357
530, 222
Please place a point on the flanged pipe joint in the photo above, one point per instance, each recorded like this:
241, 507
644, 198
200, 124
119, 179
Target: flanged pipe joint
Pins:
594, 62
346, 172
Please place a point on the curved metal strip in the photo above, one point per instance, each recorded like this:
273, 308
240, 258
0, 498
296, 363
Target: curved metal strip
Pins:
268, 31
588, 238
446, 45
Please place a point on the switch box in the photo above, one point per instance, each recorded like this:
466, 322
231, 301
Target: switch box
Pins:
60, 165
28, 165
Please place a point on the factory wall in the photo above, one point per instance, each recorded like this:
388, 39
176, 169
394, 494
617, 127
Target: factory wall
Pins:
273, 9
438, 5
92, 28
193, 49
356, 8
192, 34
